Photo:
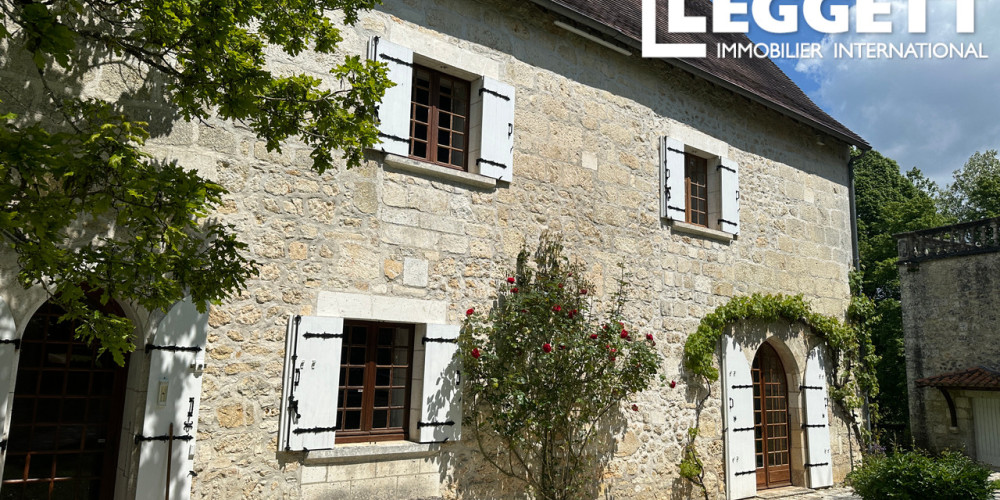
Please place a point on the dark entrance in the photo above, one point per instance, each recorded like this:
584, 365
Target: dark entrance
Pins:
770, 413
66, 416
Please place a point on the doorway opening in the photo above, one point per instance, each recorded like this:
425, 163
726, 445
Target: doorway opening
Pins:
772, 436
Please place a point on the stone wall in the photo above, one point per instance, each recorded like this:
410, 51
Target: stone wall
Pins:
951, 309
585, 165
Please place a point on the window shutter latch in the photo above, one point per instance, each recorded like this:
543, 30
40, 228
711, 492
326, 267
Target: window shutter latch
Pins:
15, 342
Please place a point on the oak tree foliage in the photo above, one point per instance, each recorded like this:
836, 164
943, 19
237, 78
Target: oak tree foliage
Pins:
85, 210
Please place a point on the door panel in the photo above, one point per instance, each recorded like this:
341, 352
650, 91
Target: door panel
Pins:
772, 438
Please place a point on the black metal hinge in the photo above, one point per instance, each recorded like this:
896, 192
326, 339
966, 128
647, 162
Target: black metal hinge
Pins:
393, 137
723, 167
743, 386
434, 424
813, 426
16, 342
171, 348
675, 150
139, 438
743, 429
484, 90
395, 60
490, 162
724, 221
324, 335
441, 340
746, 472
811, 387
314, 430
818, 465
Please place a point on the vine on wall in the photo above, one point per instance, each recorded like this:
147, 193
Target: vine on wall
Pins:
854, 378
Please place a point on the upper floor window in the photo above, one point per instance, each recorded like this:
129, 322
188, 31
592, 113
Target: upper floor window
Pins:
696, 189
439, 118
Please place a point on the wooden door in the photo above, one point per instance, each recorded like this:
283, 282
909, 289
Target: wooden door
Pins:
770, 411
66, 416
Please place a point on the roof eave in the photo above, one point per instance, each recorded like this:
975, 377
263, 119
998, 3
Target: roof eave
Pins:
682, 64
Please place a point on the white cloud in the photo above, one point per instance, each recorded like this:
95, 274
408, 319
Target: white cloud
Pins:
931, 114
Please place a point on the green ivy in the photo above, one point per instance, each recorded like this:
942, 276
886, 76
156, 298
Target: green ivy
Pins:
850, 343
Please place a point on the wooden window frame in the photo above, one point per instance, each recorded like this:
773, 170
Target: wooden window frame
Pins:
366, 434
694, 167
434, 118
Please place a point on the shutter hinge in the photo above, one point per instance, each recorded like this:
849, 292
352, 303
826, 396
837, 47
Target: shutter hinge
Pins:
490, 162
393, 137
675, 150
724, 221
723, 167
139, 438
441, 340
421, 424
395, 60
314, 430
171, 348
324, 335
743, 386
818, 465
746, 472
16, 342
484, 90
813, 387
813, 426
743, 429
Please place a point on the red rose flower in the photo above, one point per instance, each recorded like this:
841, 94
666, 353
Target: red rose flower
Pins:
560, 285
547, 347
614, 350
635, 407
624, 334
649, 336
612, 359
562, 346
475, 352
673, 384
607, 346
593, 335
510, 280
557, 308
470, 311
583, 292
513, 290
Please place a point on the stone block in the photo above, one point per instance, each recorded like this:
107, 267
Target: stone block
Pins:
415, 272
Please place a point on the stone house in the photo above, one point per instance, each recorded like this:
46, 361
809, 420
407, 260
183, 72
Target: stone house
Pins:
951, 306
333, 377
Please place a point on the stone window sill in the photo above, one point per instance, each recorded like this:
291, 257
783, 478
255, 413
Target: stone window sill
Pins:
368, 452
438, 172
713, 234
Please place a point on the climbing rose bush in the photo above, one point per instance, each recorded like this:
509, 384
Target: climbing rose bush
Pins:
545, 371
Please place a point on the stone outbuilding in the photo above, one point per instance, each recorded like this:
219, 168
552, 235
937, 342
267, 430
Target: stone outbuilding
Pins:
950, 283
333, 375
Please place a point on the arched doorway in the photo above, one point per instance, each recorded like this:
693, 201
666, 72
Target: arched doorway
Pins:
772, 435
66, 415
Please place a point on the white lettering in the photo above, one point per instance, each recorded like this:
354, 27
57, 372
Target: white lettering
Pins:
916, 12
965, 16
866, 10
722, 17
786, 22
678, 22
840, 14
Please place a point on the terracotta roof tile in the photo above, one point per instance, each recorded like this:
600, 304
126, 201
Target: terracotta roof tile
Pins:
761, 79
973, 378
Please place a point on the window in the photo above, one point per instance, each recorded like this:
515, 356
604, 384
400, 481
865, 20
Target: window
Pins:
439, 118
374, 381
699, 190
452, 116
696, 189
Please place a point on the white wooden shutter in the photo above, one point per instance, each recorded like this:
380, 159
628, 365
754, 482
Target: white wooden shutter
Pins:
441, 401
311, 383
674, 203
817, 422
496, 128
730, 179
9, 346
741, 467
394, 111
173, 392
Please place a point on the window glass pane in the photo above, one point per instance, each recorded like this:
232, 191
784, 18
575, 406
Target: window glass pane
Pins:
399, 356
444, 102
381, 398
396, 418
444, 138
399, 377
352, 420
379, 419
459, 124
443, 155
444, 120
398, 396
419, 149
73, 409
48, 410
354, 398
459, 106
420, 131
423, 77
457, 159
14, 468
459, 141
78, 383
420, 113
421, 95
357, 376
40, 466
402, 337
382, 376
26, 382
384, 356
357, 356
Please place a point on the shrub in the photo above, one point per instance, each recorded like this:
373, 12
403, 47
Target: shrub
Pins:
916, 475
544, 372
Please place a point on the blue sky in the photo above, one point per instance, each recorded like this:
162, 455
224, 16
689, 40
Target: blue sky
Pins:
930, 114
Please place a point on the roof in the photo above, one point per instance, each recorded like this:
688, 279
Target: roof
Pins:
981, 378
759, 79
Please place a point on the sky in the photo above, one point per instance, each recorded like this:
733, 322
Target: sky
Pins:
929, 114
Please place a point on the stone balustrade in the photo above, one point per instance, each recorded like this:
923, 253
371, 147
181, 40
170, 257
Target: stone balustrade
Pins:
967, 238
